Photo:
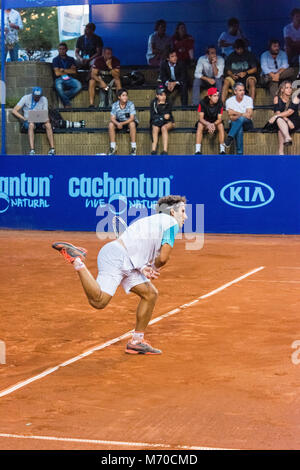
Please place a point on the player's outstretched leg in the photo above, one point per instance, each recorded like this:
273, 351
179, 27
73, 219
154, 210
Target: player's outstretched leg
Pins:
76, 256
148, 295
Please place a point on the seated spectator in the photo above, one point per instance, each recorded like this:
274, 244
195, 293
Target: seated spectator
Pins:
122, 117
161, 120
12, 25
240, 66
275, 67
34, 101
227, 39
286, 118
291, 34
88, 47
183, 44
105, 72
210, 119
159, 44
208, 73
174, 77
65, 84
240, 110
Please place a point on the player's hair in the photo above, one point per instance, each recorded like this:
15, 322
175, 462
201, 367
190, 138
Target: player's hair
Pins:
280, 92
239, 43
238, 84
233, 22
166, 203
63, 44
159, 23
91, 26
211, 46
122, 90
273, 41
295, 11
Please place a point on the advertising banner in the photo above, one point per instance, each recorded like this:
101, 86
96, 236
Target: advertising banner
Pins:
230, 194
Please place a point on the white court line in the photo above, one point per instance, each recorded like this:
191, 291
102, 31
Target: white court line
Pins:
268, 280
109, 443
19, 385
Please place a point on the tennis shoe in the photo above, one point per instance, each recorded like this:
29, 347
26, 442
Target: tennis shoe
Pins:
141, 348
112, 151
228, 141
70, 252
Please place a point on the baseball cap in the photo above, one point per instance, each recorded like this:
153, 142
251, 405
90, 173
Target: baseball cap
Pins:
212, 91
37, 91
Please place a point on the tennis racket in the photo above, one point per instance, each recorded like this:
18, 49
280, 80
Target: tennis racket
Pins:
119, 226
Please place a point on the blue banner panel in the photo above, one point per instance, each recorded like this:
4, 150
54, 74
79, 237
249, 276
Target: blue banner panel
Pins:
252, 194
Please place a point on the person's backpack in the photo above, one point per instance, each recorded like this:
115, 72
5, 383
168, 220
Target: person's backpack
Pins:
134, 78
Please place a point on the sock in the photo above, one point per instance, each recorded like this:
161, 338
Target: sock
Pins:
78, 264
198, 147
133, 145
113, 145
222, 148
137, 337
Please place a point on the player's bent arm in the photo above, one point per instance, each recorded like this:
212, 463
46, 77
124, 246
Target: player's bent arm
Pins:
16, 113
163, 256
233, 115
219, 120
58, 72
249, 113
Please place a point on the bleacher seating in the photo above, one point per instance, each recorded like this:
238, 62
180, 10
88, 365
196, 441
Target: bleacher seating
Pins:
94, 138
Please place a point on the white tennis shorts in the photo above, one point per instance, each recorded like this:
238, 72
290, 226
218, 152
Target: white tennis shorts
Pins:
115, 268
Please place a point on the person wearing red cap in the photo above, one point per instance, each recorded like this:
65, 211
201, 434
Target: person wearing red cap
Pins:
210, 112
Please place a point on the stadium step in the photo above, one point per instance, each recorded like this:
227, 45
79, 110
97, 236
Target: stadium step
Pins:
184, 118
181, 142
142, 96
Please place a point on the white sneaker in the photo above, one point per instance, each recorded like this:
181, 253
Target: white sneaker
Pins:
32, 152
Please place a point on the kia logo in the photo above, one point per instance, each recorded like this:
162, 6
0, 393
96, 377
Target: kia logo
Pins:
247, 194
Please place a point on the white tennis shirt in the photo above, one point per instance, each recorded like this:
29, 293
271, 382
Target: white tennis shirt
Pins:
145, 237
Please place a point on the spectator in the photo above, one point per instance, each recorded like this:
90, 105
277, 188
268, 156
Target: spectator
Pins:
291, 34
12, 24
65, 84
38, 102
122, 117
174, 77
183, 44
227, 39
210, 119
286, 118
161, 120
88, 47
275, 67
240, 66
105, 72
209, 73
240, 110
159, 44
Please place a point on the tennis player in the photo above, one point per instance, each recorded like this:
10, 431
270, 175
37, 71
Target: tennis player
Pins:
132, 260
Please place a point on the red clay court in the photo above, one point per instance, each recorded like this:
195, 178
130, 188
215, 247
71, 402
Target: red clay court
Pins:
226, 378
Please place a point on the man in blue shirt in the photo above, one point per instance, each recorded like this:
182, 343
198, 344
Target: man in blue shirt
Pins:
275, 67
65, 68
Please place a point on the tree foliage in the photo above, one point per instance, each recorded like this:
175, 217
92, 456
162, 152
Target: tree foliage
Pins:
40, 33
